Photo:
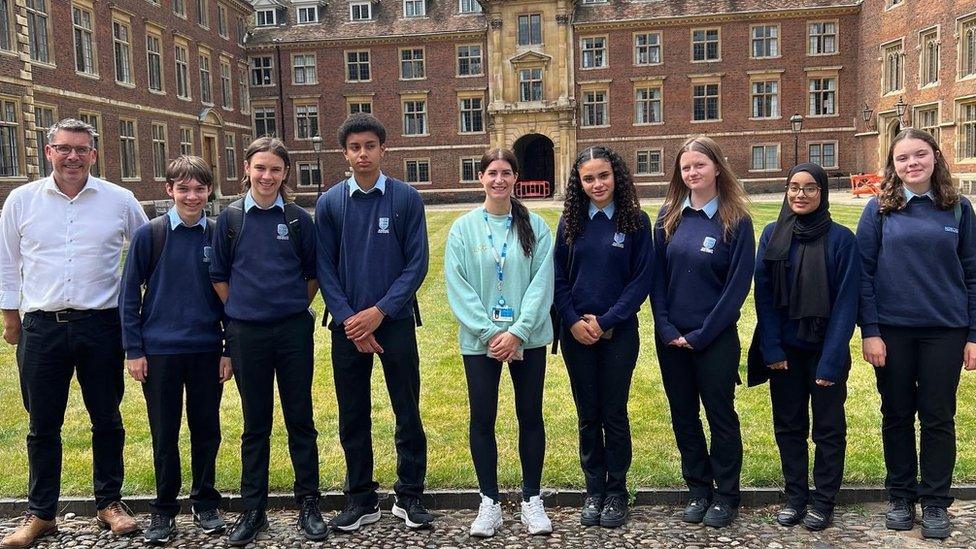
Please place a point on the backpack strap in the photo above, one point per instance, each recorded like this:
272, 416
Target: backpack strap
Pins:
294, 222
159, 229
957, 212
235, 224
400, 232
335, 206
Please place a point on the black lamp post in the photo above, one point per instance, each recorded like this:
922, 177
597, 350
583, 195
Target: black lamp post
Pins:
796, 124
900, 108
317, 145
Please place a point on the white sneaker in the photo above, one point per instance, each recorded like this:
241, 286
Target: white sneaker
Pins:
534, 516
488, 520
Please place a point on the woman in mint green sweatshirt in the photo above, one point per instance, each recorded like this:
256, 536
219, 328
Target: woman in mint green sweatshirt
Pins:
498, 266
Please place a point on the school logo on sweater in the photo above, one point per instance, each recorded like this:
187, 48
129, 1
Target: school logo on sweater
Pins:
708, 245
618, 240
951, 229
384, 225
282, 231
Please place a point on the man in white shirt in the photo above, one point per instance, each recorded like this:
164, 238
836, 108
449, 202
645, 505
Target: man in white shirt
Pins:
61, 240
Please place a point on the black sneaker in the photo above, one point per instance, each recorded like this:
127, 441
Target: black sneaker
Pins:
817, 520
900, 515
160, 531
720, 515
210, 521
310, 520
696, 509
248, 526
790, 516
614, 512
592, 507
413, 512
935, 522
354, 516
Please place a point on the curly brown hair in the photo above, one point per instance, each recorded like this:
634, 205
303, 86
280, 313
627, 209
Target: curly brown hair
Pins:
892, 196
732, 196
627, 212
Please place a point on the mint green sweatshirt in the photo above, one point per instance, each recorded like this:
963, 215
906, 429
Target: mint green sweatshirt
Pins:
469, 267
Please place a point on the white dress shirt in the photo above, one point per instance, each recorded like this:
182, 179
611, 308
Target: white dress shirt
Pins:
64, 253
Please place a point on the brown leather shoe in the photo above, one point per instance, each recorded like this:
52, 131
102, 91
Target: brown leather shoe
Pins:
30, 530
118, 517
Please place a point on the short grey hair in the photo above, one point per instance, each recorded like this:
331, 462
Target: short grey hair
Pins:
72, 125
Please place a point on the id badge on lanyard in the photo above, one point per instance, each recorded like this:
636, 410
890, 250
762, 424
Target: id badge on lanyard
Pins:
501, 312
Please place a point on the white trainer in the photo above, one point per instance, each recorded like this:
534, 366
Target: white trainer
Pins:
534, 516
488, 520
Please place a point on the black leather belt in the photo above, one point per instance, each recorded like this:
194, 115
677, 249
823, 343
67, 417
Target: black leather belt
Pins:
72, 315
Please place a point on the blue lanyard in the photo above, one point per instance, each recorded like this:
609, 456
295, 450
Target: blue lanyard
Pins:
499, 258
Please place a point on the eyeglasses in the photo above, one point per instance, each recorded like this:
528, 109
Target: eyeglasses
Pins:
807, 190
65, 150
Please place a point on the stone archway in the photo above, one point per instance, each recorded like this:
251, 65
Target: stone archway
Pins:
536, 156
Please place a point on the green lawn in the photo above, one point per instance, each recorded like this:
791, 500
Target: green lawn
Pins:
444, 409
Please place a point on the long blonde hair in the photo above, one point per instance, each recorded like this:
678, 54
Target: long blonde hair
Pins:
732, 196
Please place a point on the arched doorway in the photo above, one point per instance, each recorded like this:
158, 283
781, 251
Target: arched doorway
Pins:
537, 163
890, 126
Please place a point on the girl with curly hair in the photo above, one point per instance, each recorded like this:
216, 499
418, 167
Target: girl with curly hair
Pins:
704, 257
603, 262
918, 322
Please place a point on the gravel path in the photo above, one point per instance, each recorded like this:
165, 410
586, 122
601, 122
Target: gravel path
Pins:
649, 526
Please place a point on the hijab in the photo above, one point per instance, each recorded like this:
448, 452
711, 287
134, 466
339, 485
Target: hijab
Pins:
805, 295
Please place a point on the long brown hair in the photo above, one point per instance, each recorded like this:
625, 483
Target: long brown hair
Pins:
277, 147
732, 196
892, 196
626, 205
520, 214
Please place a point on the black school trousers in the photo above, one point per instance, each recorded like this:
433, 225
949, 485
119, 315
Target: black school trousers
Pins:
528, 377
920, 376
49, 353
197, 375
600, 376
262, 353
707, 376
794, 392
352, 372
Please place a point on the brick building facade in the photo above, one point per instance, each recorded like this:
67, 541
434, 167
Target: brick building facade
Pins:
450, 78
156, 78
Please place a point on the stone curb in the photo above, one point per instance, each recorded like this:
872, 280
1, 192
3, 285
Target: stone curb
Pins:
469, 499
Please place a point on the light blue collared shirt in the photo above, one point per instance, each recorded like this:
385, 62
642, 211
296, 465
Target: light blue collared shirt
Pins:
250, 203
607, 210
379, 186
910, 195
710, 209
175, 220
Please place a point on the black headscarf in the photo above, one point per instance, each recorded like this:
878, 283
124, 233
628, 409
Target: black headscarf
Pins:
807, 295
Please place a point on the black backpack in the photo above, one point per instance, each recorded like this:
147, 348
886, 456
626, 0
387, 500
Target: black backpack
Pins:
235, 225
159, 228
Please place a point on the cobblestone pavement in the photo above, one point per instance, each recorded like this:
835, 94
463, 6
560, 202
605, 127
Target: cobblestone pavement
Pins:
649, 526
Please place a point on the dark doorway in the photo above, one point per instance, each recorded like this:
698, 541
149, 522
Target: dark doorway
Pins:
537, 163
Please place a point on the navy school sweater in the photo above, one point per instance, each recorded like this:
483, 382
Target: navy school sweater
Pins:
179, 312
844, 279
608, 277
366, 265
701, 277
268, 281
922, 272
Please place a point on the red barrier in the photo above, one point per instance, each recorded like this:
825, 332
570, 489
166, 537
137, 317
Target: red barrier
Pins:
865, 184
532, 189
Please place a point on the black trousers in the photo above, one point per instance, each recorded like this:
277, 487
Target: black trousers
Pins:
793, 392
169, 376
352, 372
528, 377
708, 376
921, 375
48, 354
261, 354
600, 376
